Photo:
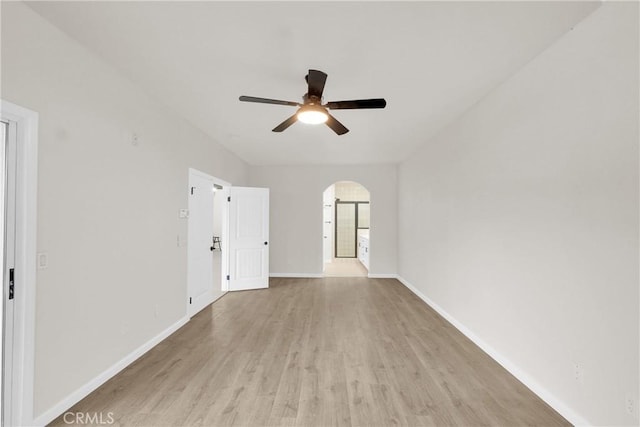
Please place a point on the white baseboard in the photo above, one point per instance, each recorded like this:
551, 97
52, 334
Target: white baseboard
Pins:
66, 403
219, 296
382, 276
521, 375
298, 275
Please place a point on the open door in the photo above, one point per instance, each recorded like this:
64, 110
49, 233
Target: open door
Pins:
199, 242
248, 238
18, 188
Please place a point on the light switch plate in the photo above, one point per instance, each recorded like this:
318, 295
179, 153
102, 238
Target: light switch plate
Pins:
43, 260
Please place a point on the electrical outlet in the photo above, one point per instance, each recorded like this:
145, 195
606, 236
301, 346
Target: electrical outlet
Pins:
578, 372
43, 260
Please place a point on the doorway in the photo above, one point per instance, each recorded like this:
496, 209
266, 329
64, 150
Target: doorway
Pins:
346, 230
18, 188
207, 235
7, 253
227, 239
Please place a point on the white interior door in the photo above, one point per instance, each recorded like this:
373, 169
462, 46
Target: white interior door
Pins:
249, 238
7, 304
10, 384
199, 241
20, 194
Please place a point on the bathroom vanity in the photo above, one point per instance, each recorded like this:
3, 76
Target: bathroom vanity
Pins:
363, 247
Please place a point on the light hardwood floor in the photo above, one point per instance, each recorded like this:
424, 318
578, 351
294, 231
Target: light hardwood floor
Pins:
318, 352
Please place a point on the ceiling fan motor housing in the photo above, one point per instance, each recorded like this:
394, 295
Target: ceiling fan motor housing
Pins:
306, 99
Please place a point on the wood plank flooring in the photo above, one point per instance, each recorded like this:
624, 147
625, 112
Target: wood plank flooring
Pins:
318, 352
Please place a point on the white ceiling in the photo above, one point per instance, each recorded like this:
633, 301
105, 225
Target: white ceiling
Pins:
430, 60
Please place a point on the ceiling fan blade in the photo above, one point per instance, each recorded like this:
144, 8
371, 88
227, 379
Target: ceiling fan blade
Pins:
267, 101
282, 126
316, 80
357, 104
336, 125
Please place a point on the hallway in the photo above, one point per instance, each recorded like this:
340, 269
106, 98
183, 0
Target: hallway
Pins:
345, 267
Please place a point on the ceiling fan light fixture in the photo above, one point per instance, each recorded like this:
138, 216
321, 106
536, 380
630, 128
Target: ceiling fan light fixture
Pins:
312, 115
312, 111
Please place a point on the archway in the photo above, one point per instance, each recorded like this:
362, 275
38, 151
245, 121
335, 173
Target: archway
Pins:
346, 231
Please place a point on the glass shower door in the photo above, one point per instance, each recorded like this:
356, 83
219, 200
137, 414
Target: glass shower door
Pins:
346, 230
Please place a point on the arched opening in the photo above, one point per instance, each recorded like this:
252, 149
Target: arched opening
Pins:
346, 232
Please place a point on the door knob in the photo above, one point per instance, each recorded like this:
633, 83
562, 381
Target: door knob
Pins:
211, 248
266, 243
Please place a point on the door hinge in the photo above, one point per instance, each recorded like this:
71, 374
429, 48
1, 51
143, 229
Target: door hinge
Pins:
11, 283
189, 300
228, 198
228, 277
192, 188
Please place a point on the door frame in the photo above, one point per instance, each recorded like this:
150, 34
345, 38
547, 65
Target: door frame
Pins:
224, 237
224, 261
25, 259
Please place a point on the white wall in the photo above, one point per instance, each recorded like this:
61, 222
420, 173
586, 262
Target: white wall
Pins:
107, 210
328, 220
296, 214
521, 219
